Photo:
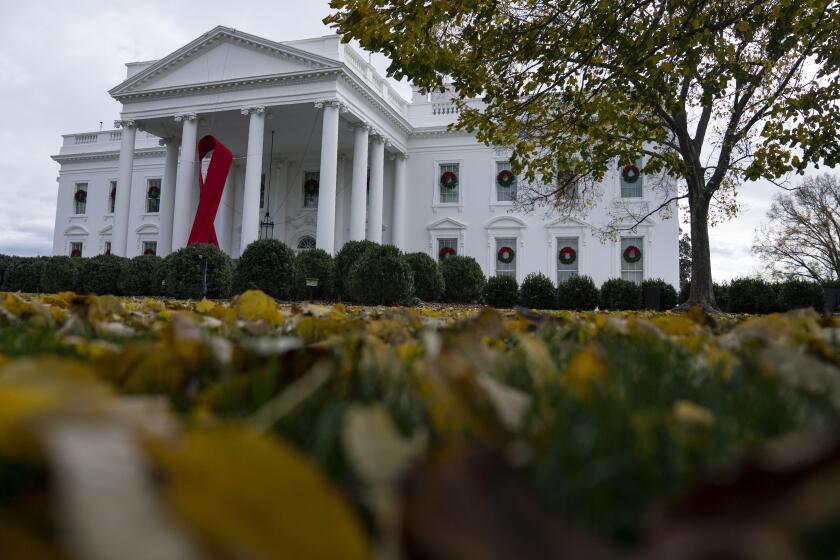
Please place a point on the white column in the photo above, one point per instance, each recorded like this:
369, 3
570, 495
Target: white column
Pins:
224, 216
358, 192
253, 173
122, 204
377, 173
167, 195
185, 182
398, 225
325, 232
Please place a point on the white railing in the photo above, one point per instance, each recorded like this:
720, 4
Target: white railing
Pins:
85, 138
445, 109
379, 84
116, 135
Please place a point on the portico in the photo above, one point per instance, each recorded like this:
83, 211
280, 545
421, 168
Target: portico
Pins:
321, 117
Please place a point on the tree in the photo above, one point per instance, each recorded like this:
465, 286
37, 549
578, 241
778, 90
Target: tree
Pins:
711, 92
801, 238
685, 259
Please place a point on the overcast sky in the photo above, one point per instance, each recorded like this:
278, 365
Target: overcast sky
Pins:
58, 59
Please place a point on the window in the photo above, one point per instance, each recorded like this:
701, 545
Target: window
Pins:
310, 189
567, 258
449, 182
632, 263
567, 185
262, 190
153, 196
76, 248
505, 182
306, 243
107, 247
632, 180
150, 247
506, 256
446, 247
112, 196
80, 198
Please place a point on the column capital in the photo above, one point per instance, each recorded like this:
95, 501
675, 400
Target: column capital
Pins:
185, 117
334, 102
169, 140
127, 123
361, 126
377, 136
396, 155
258, 109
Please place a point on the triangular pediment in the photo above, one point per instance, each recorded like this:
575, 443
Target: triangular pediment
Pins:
447, 223
566, 221
219, 56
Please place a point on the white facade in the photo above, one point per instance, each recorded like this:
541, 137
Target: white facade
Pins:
377, 158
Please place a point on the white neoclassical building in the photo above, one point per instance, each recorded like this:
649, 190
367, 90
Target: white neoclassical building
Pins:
330, 152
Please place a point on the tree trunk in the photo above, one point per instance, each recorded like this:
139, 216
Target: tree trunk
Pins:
702, 291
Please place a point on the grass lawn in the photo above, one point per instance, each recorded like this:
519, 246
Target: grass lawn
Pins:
251, 429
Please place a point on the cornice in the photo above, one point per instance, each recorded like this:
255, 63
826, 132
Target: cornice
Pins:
106, 155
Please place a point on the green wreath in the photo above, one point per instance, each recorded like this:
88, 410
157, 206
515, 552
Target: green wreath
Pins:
506, 255
632, 254
445, 252
80, 196
505, 178
567, 255
310, 187
630, 173
448, 180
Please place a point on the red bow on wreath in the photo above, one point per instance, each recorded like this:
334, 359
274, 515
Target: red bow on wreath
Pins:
445, 252
632, 254
567, 255
506, 255
448, 180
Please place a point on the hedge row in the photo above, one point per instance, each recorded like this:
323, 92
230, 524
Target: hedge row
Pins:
754, 295
362, 272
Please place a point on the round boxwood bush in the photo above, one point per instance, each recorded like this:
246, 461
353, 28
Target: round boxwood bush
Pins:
314, 263
578, 293
463, 279
538, 292
100, 274
752, 295
501, 291
344, 260
381, 277
618, 294
428, 279
667, 293
800, 294
141, 276
185, 270
5, 262
24, 275
267, 265
60, 274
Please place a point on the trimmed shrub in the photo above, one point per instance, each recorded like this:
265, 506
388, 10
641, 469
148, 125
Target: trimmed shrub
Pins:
501, 291
5, 262
60, 274
578, 293
267, 265
538, 292
463, 279
428, 279
141, 276
348, 256
620, 295
100, 274
667, 293
24, 275
381, 277
314, 263
800, 294
185, 271
752, 295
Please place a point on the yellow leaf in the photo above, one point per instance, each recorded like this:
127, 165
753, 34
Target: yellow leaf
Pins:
584, 368
687, 412
254, 305
205, 306
259, 497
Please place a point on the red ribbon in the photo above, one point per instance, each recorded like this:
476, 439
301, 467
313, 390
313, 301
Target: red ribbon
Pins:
211, 189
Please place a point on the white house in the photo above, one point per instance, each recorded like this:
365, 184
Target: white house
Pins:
331, 152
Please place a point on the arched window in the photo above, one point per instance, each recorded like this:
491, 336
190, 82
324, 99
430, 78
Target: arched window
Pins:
306, 242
